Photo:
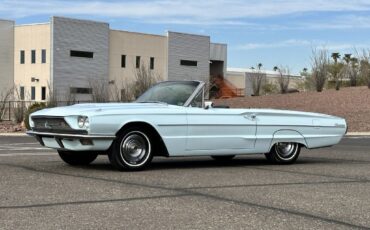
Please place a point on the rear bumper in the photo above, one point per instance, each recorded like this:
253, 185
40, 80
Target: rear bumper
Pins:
73, 142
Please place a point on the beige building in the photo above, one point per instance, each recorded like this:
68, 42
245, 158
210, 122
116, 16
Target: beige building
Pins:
32, 61
68, 55
128, 48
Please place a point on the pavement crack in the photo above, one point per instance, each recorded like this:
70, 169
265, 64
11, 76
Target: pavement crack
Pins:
91, 201
277, 184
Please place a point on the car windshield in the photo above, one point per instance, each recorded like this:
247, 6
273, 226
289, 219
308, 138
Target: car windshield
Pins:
174, 93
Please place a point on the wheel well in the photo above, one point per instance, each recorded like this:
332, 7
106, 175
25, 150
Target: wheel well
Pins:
159, 146
288, 135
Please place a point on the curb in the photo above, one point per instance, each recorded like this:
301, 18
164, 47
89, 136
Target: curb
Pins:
358, 134
13, 135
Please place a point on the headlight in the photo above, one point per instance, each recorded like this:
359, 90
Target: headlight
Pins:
83, 122
32, 124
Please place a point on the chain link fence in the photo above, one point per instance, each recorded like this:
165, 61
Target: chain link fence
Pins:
12, 108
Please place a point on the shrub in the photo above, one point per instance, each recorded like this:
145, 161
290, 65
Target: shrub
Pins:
19, 111
320, 64
269, 88
33, 108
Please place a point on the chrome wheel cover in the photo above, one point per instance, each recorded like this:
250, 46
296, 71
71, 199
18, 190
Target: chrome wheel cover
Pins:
286, 150
135, 149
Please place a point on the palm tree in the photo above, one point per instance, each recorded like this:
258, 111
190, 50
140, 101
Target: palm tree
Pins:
335, 70
347, 58
335, 57
275, 68
354, 71
259, 65
305, 70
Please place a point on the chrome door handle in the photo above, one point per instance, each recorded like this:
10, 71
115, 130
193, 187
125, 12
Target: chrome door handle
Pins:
251, 116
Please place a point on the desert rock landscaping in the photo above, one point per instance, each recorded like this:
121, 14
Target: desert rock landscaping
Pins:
351, 103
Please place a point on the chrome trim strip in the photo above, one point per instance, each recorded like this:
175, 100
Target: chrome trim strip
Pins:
194, 94
33, 133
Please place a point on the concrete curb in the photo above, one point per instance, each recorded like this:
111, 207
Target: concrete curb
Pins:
349, 134
358, 134
13, 134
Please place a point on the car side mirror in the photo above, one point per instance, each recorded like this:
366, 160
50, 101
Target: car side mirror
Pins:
208, 104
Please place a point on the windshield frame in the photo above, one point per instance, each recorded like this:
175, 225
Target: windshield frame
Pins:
200, 87
197, 90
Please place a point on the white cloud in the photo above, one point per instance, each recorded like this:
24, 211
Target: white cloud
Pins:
192, 12
279, 44
343, 22
331, 46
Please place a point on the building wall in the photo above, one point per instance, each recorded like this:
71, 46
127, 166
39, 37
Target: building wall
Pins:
6, 55
218, 52
32, 37
242, 79
237, 79
188, 47
132, 45
81, 35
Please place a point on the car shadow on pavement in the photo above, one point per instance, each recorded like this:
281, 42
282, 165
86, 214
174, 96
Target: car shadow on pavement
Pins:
161, 163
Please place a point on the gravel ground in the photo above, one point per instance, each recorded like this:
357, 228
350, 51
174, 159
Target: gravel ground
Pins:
352, 103
11, 127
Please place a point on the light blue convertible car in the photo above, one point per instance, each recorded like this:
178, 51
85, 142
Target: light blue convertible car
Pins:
172, 119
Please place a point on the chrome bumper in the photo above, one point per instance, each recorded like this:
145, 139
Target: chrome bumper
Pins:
71, 136
73, 142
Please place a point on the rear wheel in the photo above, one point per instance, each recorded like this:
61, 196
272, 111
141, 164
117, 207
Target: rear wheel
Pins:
284, 153
132, 150
223, 157
77, 158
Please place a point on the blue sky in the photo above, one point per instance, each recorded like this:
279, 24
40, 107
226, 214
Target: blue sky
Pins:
280, 32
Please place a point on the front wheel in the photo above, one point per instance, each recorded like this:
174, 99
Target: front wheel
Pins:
132, 150
77, 158
284, 153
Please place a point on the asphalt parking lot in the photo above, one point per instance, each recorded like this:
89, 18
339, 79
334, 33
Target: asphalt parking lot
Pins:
326, 188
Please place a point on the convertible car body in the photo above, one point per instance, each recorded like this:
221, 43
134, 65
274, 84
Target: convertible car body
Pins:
172, 119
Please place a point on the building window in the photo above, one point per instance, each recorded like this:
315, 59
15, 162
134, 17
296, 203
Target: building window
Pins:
137, 61
75, 90
123, 61
43, 56
22, 57
43, 93
152, 63
188, 63
21, 92
33, 56
33, 93
84, 54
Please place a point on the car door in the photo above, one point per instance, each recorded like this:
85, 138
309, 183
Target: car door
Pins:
216, 129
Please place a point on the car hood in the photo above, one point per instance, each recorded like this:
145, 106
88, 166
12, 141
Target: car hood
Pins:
100, 108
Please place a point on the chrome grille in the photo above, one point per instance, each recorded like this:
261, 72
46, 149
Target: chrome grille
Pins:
48, 124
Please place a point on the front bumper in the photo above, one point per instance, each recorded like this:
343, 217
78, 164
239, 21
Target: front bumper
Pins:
73, 142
